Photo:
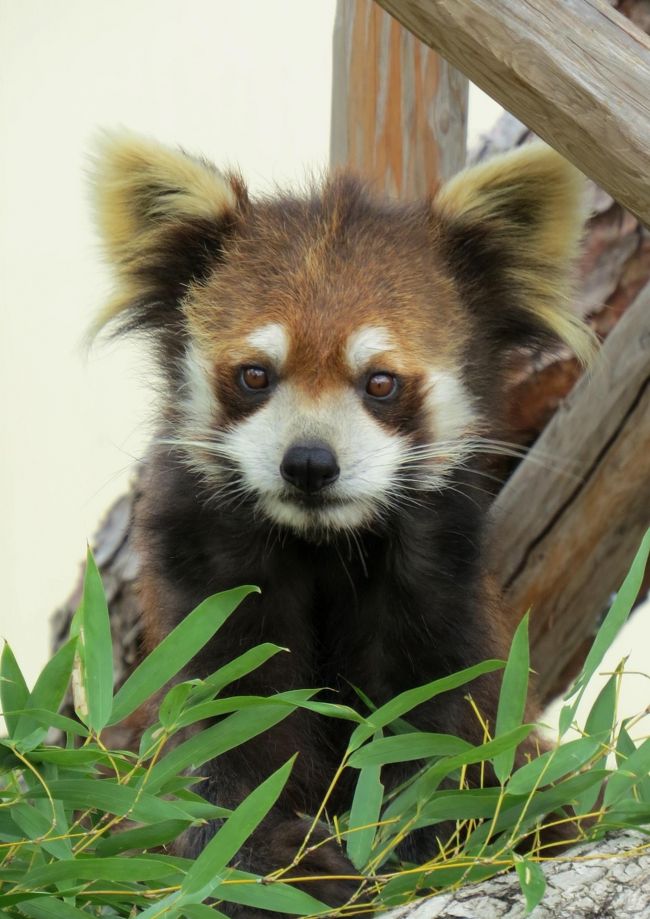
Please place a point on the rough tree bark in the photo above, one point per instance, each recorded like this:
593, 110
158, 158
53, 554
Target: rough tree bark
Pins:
605, 880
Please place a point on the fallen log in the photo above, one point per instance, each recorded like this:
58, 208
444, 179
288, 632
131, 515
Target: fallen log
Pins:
609, 879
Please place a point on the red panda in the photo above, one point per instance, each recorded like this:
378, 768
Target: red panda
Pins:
333, 367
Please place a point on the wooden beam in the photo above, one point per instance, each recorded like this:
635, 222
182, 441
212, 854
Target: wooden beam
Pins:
399, 111
576, 72
567, 524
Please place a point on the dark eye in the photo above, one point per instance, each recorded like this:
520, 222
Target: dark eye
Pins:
254, 378
381, 385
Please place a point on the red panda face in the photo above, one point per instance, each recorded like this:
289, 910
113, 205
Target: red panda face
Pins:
325, 368
332, 358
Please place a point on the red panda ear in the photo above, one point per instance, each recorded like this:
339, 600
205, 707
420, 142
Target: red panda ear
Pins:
510, 230
162, 216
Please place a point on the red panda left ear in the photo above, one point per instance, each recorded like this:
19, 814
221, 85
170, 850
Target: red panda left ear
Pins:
162, 216
510, 230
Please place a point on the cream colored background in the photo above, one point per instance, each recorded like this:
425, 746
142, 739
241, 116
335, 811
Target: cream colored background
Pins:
246, 83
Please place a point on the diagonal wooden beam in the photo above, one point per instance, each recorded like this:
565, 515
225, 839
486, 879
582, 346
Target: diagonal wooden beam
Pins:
567, 524
575, 71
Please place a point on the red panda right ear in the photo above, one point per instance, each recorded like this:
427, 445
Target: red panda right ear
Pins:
510, 229
162, 216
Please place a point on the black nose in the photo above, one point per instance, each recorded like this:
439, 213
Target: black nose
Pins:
309, 468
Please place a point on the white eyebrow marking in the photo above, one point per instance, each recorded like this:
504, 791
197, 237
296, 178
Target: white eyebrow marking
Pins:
366, 343
272, 340
450, 405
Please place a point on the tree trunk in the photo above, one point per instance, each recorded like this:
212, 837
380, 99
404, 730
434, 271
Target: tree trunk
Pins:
609, 879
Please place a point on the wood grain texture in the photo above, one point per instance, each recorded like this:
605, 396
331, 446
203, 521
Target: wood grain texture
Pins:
570, 519
399, 111
576, 72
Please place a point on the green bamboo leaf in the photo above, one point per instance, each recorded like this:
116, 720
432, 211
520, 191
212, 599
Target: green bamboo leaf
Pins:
233, 731
296, 698
176, 650
13, 688
402, 889
49, 907
554, 764
107, 795
365, 811
602, 715
144, 868
334, 710
538, 805
95, 647
410, 699
406, 747
173, 703
143, 837
35, 824
234, 670
47, 695
424, 786
625, 746
612, 624
52, 720
229, 704
600, 720
512, 698
204, 875
273, 896
73, 756
532, 880
399, 726
167, 908
199, 911
465, 804
634, 770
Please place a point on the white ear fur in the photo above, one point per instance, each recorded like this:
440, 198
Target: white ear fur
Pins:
531, 203
142, 191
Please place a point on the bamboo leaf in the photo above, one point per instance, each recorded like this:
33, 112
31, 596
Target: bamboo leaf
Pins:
50, 907
410, 699
365, 810
234, 670
424, 786
13, 688
611, 626
233, 731
532, 880
143, 837
631, 772
95, 647
145, 868
47, 695
204, 875
554, 764
512, 698
104, 794
406, 747
274, 896
176, 650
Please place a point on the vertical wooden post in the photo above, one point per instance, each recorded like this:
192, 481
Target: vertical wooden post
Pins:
399, 112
